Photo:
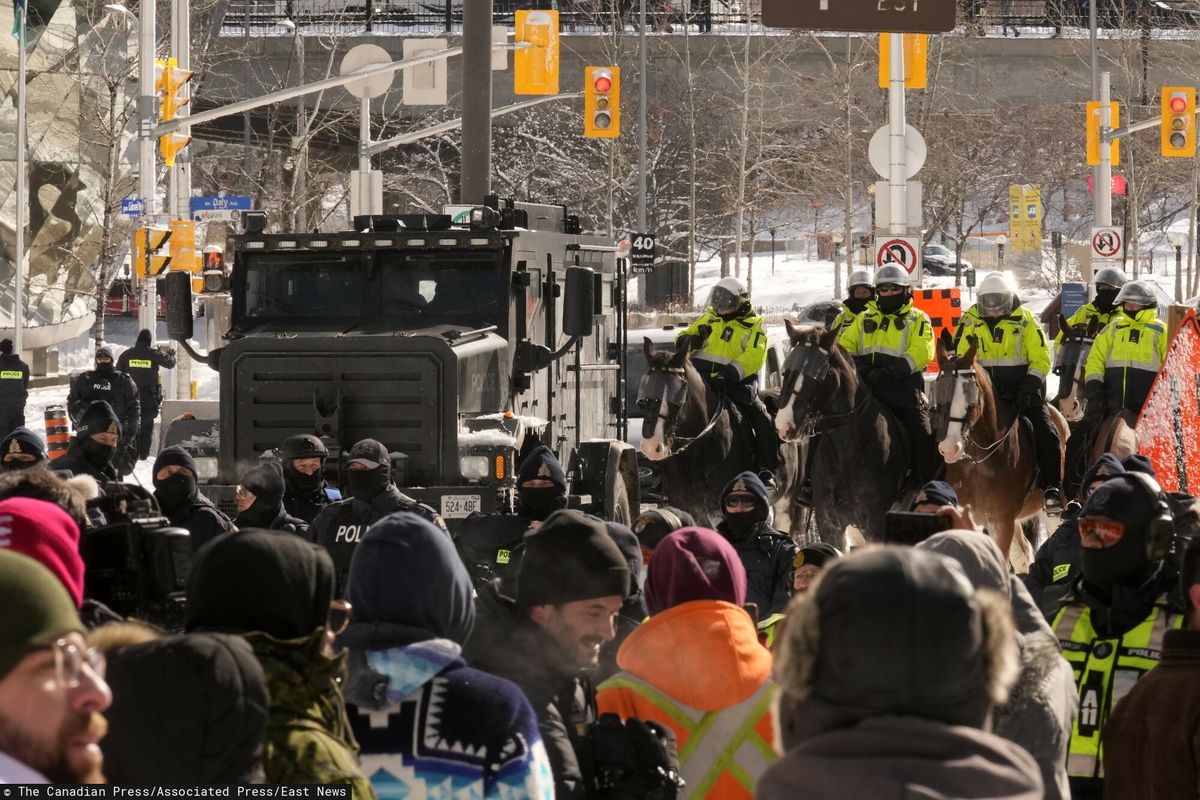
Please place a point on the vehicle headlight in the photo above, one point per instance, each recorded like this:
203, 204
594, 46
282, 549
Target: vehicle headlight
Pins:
474, 467
206, 468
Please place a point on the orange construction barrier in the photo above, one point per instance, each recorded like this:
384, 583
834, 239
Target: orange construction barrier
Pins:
58, 435
1169, 427
944, 307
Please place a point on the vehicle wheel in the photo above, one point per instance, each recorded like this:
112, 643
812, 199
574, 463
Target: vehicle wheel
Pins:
616, 501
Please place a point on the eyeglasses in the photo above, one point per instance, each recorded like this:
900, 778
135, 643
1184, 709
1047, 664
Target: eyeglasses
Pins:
806, 574
339, 617
740, 502
69, 659
1097, 533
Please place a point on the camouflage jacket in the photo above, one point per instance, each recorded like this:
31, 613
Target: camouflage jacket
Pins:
308, 733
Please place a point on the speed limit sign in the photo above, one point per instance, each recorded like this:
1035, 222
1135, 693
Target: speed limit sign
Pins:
641, 254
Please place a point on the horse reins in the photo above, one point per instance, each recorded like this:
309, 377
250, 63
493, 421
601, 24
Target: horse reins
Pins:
991, 449
688, 442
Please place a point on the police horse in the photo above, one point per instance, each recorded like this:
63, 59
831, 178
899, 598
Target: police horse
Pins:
989, 455
861, 462
693, 431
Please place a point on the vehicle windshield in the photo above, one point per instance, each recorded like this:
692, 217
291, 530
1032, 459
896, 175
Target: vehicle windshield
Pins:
304, 285
423, 288
936, 250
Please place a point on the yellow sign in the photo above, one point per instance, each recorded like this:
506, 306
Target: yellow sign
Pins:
916, 49
535, 69
1025, 218
1093, 133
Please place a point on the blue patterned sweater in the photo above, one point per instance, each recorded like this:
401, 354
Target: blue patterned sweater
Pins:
432, 727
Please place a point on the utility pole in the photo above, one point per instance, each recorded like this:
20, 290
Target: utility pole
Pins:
475, 179
180, 196
147, 189
897, 172
643, 77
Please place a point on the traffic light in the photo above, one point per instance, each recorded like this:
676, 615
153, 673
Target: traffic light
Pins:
183, 245
1093, 133
535, 69
169, 80
1177, 138
602, 102
158, 238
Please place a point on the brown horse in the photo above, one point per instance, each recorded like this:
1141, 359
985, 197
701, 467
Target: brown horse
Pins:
990, 457
1070, 360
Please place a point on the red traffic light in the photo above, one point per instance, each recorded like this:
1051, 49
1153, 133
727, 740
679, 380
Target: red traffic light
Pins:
603, 83
1178, 104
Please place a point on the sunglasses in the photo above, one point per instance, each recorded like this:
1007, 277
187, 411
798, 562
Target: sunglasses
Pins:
889, 288
1097, 533
339, 617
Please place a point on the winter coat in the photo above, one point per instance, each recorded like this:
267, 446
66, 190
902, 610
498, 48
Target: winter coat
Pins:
1152, 740
767, 556
203, 520
308, 734
511, 646
428, 723
1055, 566
733, 688
490, 547
74, 462
306, 505
283, 521
142, 363
901, 757
115, 388
14, 381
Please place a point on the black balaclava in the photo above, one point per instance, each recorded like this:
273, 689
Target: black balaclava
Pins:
302, 483
265, 482
23, 440
890, 304
105, 368
175, 492
303, 445
856, 304
537, 503
96, 454
365, 484
144, 337
98, 418
738, 526
1126, 562
1105, 295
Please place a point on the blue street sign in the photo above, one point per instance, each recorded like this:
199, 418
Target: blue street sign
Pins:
133, 207
1074, 296
221, 203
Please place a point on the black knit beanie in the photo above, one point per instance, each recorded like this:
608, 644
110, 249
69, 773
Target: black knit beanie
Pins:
175, 456
543, 464
265, 482
99, 417
569, 558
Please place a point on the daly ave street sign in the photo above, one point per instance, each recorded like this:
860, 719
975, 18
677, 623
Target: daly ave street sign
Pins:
882, 16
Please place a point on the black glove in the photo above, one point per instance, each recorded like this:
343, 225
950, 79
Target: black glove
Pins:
1095, 401
1029, 396
704, 331
635, 760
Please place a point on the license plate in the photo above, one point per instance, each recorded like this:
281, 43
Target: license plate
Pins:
457, 506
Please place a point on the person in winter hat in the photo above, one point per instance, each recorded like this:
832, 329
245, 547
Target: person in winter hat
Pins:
259, 499
22, 449
307, 492
654, 525
277, 592
541, 485
1042, 705
809, 562
94, 444
918, 727
14, 388
411, 609
217, 695
1136, 462
179, 497
766, 553
50, 715
340, 526
46, 533
572, 582
1116, 609
933, 496
69, 494
108, 384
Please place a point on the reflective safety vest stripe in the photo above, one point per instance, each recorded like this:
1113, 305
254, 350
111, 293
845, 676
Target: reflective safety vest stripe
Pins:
769, 629
1105, 671
141, 363
715, 743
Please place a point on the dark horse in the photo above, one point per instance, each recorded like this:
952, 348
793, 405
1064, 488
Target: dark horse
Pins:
860, 468
690, 429
989, 455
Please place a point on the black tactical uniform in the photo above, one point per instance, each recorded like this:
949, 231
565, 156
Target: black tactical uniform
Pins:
116, 388
265, 482
306, 495
142, 362
766, 553
14, 388
180, 500
86, 456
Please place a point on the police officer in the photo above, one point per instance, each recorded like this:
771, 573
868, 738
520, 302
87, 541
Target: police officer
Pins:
142, 363
14, 388
118, 390
22, 449
179, 498
729, 347
1013, 350
303, 464
94, 444
892, 343
766, 553
339, 526
259, 498
860, 292
1126, 356
1103, 308
490, 544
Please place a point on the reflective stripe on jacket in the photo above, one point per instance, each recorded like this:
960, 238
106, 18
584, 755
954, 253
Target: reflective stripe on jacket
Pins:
1126, 356
1085, 315
1105, 671
1013, 348
740, 343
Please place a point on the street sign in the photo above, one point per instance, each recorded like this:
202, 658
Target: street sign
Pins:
133, 207
222, 207
1119, 185
903, 251
1074, 296
641, 254
876, 16
970, 276
1108, 243
880, 155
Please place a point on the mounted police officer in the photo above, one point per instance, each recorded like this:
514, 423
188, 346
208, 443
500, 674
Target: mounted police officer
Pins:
118, 390
859, 293
1103, 307
303, 471
142, 363
339, 526
1013, 350
14, 388
892, 343
1126, 356
729, 348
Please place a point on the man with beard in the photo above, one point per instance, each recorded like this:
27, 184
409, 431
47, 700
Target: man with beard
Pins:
52, 688
307, 493
95, 443
340, 526
180, 500
259, 498
116, 388
766, 554
22, 449
490, 544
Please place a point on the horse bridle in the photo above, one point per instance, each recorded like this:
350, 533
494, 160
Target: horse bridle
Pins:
814, 364
669, 384
971, 392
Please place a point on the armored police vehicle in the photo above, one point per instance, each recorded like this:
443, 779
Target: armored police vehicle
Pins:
460, 347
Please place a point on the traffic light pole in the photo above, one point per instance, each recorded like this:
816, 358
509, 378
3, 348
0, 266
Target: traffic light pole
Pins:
148, 305
180, 196
475, 179
897, 170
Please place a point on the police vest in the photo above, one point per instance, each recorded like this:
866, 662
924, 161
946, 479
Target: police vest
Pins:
1105, 671
718, 750
347, 531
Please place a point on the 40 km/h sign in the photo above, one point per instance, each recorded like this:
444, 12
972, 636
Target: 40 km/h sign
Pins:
1107, 243
903, 251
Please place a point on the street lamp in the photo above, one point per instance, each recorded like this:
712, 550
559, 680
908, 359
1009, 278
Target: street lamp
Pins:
1001, 240
1178, 240
837, 239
